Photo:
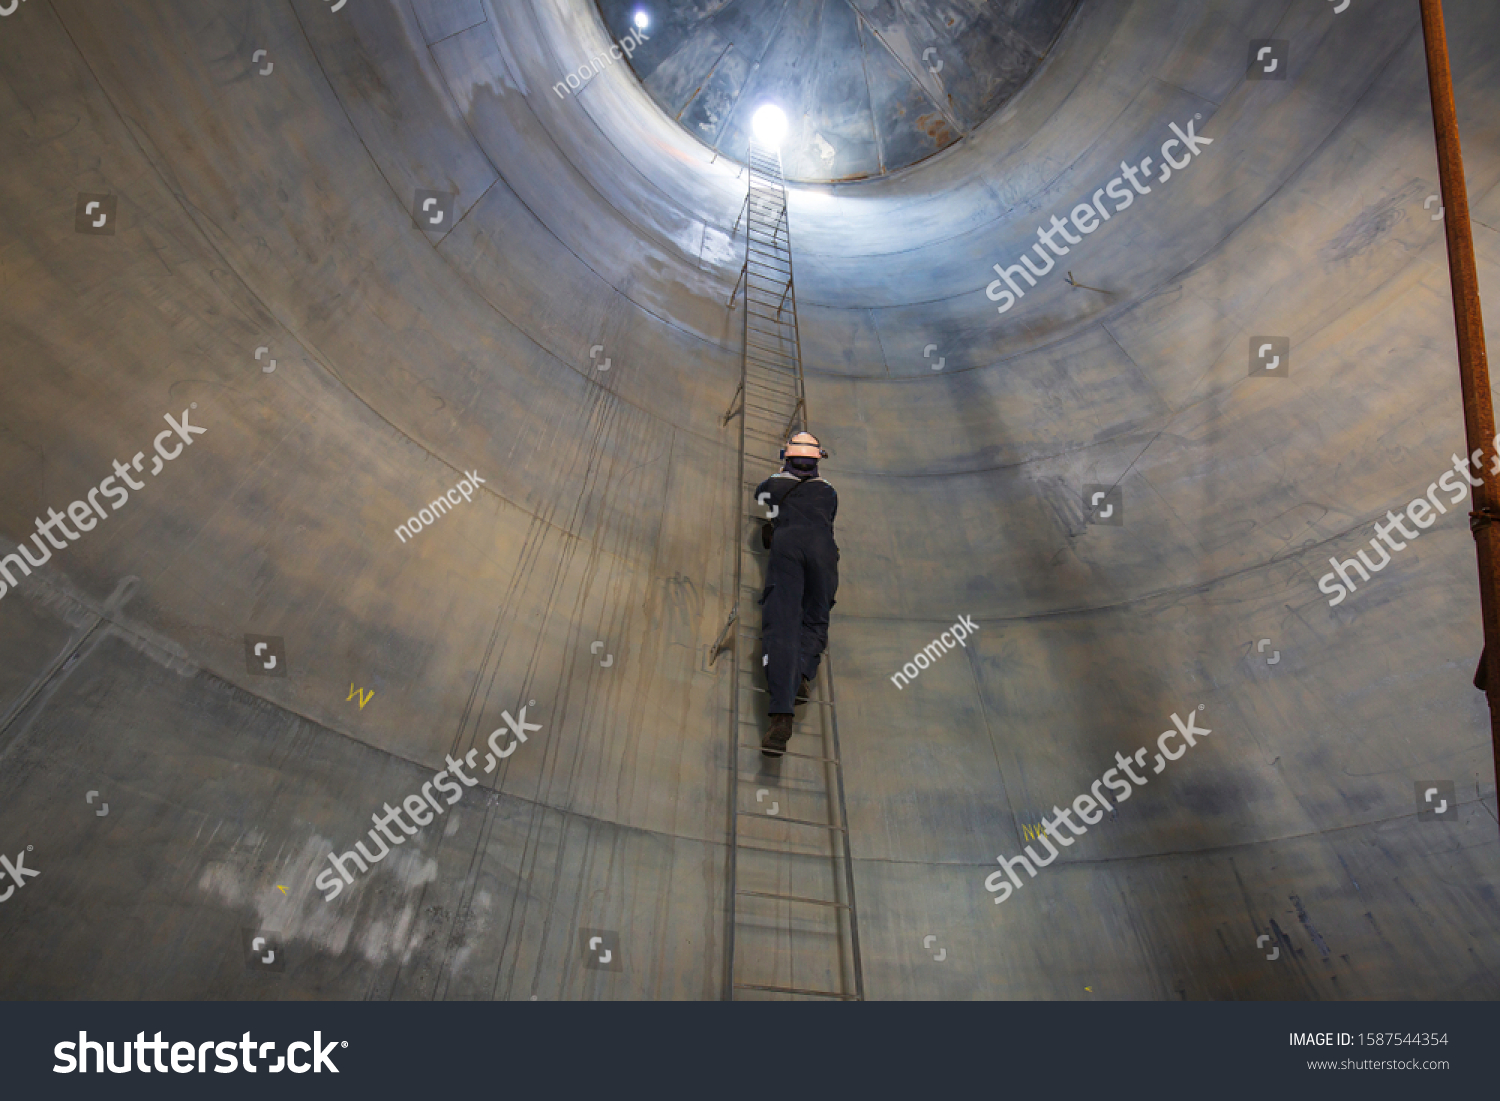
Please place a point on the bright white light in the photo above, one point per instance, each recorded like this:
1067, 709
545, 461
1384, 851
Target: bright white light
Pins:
642, 20
769, 124
802, 196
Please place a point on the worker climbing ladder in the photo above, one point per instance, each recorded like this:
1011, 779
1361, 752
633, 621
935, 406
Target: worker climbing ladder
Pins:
792, 930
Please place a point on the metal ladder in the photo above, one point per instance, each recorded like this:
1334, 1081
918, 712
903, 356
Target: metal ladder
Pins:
792, 930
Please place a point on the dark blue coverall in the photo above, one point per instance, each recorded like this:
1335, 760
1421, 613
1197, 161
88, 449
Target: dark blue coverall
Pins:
801, 582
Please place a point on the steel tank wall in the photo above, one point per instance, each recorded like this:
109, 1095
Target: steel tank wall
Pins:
567, 341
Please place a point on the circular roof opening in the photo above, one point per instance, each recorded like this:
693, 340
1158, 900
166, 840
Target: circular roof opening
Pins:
867, 87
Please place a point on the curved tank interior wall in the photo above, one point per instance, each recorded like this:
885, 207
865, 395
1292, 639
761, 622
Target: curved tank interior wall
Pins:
559, 343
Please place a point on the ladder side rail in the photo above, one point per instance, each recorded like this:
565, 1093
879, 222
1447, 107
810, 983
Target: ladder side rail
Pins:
741, 534
791, 282
838, 771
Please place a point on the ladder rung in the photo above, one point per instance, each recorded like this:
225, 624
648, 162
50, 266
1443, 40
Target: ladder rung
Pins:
769, 255
785, 347
770, 370
801, 756
788, 392
778, 852
777, 268
771, 360
798, 990
774, 319
810, 699
775, 362
770, 430
763, 692
793, 898
793, 821
762, 283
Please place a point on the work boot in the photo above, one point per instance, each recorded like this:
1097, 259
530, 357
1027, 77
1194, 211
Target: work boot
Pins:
803, 693
774, 743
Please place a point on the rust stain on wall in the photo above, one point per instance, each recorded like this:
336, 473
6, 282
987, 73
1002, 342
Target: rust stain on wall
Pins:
936, 127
